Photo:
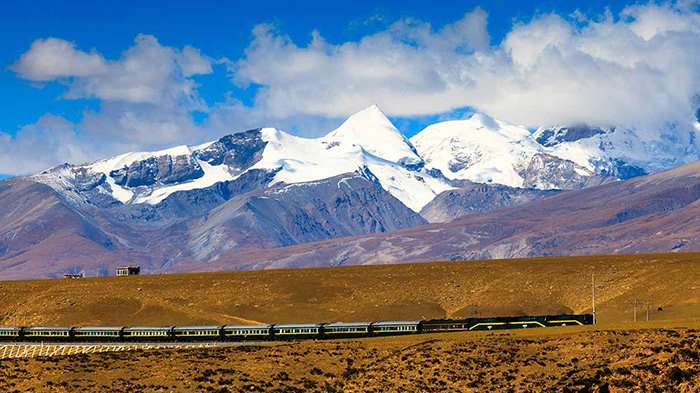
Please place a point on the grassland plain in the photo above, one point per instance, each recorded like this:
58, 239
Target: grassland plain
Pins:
558, 360
364, 293
616, 356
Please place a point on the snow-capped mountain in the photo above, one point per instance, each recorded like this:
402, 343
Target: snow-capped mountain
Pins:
263, 189
442, 157
484, 150
621, 152
366, 142
439, 158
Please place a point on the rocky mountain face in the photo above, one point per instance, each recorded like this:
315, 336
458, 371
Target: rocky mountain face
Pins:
41, 234
251, 193
345, 205
197, 226
648, 214
478, 198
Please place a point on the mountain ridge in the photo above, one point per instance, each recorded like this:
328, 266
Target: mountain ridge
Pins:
653, 213
253, 199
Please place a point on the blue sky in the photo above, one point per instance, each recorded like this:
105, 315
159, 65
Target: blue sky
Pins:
218, 28
244, 76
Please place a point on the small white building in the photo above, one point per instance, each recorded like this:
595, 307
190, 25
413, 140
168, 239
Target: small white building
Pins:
123, 271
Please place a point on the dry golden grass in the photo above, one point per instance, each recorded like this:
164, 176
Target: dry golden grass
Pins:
365, 293
614, 356
556, 359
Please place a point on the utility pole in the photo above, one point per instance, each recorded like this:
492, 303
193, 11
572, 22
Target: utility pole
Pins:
647, 310
635, 310
593, 289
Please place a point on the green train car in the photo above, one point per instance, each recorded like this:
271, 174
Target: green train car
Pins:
285, 331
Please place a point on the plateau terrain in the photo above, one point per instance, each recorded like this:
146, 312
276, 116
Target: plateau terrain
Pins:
367, 293
363, 193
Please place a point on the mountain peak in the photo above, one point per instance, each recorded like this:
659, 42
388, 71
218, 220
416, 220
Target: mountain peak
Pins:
370, 117
375, 133
479, 149
483, 120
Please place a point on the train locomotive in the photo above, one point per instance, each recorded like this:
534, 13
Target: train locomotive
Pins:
284, 331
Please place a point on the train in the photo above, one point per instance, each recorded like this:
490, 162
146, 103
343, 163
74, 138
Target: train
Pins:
284, 331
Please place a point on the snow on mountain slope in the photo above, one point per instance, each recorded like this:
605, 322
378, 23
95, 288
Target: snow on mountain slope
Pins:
484, 150
376, 134
621, 152
201, 173
211, 174
367, 142
306, 159
479, 149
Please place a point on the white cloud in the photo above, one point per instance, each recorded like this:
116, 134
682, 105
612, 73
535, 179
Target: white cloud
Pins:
146, 98
402, 69
232, 116
640, 69
526, 43
652, 20
192, 62
146, 73
53, 58
50, 141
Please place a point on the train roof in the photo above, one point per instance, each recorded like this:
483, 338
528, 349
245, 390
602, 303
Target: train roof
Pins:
98, 328
247, 326
298, 325
390, 323
9, 328
47, 328
197, 327
151, 328
346, 324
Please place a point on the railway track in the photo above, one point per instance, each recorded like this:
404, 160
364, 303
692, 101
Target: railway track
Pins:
49, 341
38, 349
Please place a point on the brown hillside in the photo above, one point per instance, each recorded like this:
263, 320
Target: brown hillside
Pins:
362, 293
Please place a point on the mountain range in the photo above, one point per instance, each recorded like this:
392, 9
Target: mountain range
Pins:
362, 193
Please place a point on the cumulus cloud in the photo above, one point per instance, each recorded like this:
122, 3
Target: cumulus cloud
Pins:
402, 69
232, 115
639, 69
52, 58
146, 99
46, 143
146, 73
